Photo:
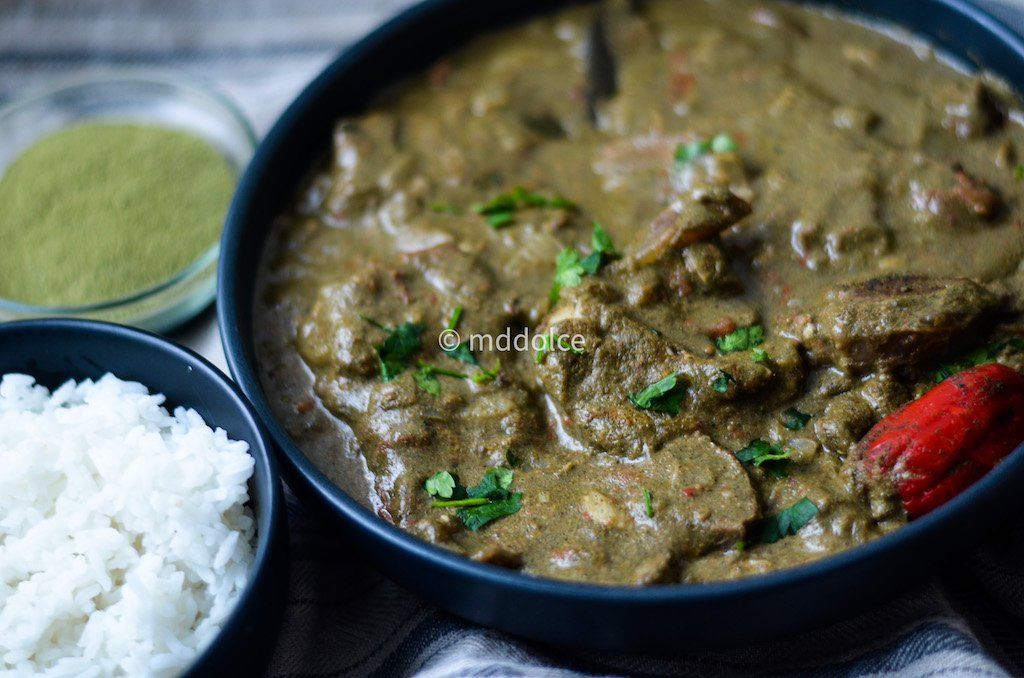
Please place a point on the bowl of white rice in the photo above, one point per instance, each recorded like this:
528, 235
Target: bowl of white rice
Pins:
141, 516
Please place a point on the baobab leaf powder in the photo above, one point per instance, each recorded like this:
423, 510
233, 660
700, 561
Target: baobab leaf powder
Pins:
100, 211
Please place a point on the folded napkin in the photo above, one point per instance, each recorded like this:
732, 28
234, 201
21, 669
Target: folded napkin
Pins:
342, 618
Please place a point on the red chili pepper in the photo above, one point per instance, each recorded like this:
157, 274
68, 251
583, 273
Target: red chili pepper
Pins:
938, 445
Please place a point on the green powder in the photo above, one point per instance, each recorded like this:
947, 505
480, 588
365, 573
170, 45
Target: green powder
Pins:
101, 211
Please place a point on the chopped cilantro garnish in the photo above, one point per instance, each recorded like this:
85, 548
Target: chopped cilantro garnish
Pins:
465, 501
570, 268
494, 485
480, 504
500, 219
547, 344
763, 453
503, 202
426, 377
664, 396
648, 505
986, 354
743, 339
787, 522
444, 208
721, 143
1019, 172
500, 210
483, 375
441, 484
477, 516
601, 242
512, 459
460, 352
399, 346
721, 384
794, 419
759, 355
568, 272
687, 153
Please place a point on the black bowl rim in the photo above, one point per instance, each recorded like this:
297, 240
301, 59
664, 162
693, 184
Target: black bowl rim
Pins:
907, 537
260, 448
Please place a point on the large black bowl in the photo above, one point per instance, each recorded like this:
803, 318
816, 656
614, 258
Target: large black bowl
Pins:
661, 618
54, 351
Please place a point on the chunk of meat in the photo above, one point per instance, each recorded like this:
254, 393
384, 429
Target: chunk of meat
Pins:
622, 356
455, 275
900, 321
689, 221
600, 530
363, 151
334, 334
722, 171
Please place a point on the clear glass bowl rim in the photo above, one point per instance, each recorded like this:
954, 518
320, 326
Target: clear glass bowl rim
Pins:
141, 76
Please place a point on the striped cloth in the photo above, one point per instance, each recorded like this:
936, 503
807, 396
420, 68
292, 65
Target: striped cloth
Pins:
343, 619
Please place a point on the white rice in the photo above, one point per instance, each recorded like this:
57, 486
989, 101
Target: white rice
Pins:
124, 536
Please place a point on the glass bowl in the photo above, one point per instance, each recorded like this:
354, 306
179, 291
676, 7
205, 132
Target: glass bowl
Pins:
151, 98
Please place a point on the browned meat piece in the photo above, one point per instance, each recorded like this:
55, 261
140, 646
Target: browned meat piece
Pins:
689, 221
900, 321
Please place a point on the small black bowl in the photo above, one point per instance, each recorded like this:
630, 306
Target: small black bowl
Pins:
661, 618
54, 351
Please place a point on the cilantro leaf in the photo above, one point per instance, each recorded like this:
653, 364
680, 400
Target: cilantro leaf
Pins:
687, 153
399, 346
548, 343
787, 522
721, 143
600, 241
480, 504
500, 210
663, 396
762, 453
494, 485
427, 381
477, 516
503, 202
721, 384
462, 353
648, 505
426, 377
980, 356
570, 267
569, 272
482, 375
794, 419
743, 339
759, 355
500, 220
441, 484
